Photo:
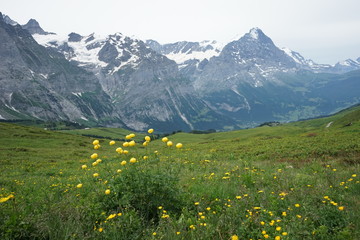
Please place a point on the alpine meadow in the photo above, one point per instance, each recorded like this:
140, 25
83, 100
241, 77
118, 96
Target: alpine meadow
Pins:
290, 181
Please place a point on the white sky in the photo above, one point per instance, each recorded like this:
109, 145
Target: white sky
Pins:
325, 31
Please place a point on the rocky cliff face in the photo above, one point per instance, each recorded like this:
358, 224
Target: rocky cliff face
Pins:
33, 27
42, 84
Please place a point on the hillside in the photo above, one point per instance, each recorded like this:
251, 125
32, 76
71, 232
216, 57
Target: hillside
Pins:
293, 181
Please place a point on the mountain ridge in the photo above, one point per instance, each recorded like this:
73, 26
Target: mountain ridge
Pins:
192, 85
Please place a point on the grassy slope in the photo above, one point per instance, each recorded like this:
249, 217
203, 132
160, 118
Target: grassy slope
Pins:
42, 169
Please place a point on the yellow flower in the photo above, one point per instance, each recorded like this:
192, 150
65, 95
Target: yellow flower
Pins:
96, 147
147, 138
84, 166
277, 238
125, 152
150, 130
123, 163
196, 203
297, 205
262, 223
132, 143
154, 233
234, 237
111, 216
169, 143
119, 171
164, 139
266, 236
107, 191
284, 214
284, 234
179, 145
127, 137
94, 164
177, 233
132, 135
278, 228
145, 144
125, 144
111, 143
95, 175
119, 150
79, 185
99, 160
4, 199
298, 216
94, 155
133, 160
354, 175
95, 142
145, 157
341, 208
100, 229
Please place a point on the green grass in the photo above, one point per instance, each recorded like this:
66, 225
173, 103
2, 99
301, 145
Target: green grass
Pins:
109, 133
245, 183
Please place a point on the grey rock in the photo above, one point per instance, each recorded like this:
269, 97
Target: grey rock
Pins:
33, 27
74, 37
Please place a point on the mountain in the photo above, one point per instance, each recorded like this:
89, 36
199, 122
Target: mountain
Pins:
116, 80
253, 81
145, 87
189, 56
8, 20
40, 84
33, 27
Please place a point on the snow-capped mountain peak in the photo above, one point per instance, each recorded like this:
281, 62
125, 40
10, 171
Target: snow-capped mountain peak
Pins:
254, 33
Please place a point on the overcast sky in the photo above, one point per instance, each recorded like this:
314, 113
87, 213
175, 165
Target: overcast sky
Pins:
325, 31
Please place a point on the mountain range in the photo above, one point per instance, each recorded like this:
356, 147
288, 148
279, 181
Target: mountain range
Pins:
120, 81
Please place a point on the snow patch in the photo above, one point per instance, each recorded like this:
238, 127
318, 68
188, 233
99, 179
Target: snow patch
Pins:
246, 101
2, 118
44, 75
199, 54
132, 61
82, 53
329, 124
78, 94
254, 33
